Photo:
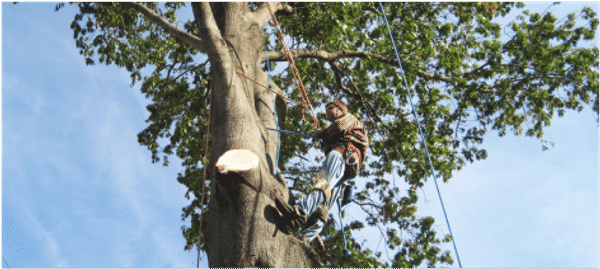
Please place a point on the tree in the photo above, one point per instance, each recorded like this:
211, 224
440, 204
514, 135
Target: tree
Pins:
455, 65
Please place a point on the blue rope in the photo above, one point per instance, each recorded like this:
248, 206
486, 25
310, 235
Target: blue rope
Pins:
274, 112
420, 131
345, 251
290, 132
299, 172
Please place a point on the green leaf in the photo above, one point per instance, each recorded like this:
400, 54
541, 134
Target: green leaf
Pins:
464, 78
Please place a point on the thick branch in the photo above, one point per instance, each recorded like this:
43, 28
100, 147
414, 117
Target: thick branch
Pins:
329, 56
209, 32
167, 26
262, 15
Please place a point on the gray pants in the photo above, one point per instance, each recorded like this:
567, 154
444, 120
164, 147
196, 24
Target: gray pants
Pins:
333, 170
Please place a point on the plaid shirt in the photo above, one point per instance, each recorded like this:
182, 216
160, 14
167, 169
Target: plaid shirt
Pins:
346, 132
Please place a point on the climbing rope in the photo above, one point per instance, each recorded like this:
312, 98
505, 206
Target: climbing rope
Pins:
270, 89
420, 131
345, 251
282, 96
299, 172
277, 122
305, 102
275, 109
290, 132
205, 160
274, 113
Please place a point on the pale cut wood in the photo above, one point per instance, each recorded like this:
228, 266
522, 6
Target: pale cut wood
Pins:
237, 160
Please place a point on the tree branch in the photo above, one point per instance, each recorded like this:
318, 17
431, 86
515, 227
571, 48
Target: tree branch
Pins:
330, 56
356, 93
376, 11
262, 16
167, 26
211, 35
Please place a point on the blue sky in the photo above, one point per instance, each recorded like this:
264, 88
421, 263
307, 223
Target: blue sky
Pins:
79, 191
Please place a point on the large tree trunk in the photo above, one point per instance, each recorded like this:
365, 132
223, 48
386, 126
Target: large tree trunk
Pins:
241, 230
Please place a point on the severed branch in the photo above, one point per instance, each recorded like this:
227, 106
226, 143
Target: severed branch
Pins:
194, 41
237, 160
330, 56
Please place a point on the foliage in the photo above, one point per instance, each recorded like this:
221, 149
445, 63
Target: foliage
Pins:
463, 78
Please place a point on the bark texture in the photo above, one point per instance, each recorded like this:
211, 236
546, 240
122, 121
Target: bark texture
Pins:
241, 229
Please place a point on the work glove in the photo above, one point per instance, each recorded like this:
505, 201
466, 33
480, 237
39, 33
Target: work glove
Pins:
293, 216
317, 133
317, 137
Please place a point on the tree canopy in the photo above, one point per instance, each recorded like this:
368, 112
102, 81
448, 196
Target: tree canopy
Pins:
464, 81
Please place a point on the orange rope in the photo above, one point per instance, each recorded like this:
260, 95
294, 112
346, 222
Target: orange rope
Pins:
268, 88
299, 84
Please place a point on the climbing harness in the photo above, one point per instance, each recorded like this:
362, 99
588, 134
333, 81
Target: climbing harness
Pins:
348, 155
420, 131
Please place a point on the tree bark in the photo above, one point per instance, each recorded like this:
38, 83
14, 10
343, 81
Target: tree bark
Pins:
241, 230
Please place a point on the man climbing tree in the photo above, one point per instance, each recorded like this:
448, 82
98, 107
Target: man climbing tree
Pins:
465, 81
345, 144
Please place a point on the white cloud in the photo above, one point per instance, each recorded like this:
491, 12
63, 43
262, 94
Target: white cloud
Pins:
54, 251
22, 92
116, 152
52, 248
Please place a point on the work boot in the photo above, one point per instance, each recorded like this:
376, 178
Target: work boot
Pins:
322, 213
292, 216
302, 237
323, 185
320, 246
